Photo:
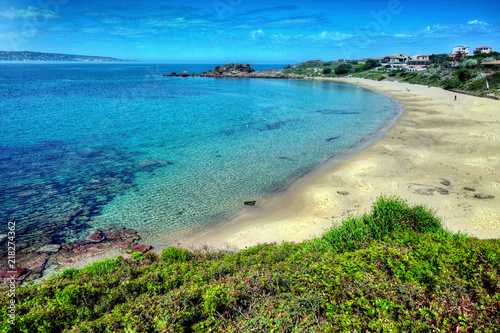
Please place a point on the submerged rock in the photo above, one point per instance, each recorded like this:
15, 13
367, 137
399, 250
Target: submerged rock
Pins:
250, 203
95, 237
50, 248
155, 163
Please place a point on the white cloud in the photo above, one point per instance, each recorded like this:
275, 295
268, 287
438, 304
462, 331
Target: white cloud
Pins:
255, 34
477, 22
404, 35
32, 13
330, 36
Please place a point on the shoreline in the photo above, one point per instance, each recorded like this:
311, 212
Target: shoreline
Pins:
421, 158
429, 154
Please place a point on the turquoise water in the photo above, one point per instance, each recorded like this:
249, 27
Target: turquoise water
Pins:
90, 145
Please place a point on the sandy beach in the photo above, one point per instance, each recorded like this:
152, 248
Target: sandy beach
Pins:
442, 153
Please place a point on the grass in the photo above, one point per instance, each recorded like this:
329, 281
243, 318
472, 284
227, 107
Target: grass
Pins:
394, 269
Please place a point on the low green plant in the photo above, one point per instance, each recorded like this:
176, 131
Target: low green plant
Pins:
451, 83
172, 254
393, 269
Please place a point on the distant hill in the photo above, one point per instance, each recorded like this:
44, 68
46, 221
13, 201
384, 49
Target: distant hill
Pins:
40, 56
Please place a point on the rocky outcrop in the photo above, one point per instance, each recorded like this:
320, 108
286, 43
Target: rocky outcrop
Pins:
31, 265
236, 70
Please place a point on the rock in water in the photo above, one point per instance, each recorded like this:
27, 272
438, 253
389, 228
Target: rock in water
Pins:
95, 237
50, 248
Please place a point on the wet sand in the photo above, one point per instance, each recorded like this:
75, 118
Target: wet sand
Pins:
442, 153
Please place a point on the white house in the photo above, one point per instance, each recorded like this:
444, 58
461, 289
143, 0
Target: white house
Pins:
396, 58
483, 49
461, 50
420, 57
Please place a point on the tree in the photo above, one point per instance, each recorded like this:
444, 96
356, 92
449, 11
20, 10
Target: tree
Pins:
369, 64
463, 74
343, 69
327, 70
440, 58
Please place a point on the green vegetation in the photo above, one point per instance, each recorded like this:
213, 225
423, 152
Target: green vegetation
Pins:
458, 79
394, 269
343, 69
466, 74
369, 64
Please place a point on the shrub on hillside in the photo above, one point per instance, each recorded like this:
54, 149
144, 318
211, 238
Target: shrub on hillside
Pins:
451, 83
369, 64
471, 63
464, 74
488, 59
343, 69
172, 254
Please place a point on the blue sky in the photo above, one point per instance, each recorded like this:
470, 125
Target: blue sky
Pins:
216, 31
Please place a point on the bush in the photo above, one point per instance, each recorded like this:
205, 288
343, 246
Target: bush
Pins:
388, 215
471, 63
488, 59
172, 254
451, 83
343, 69
327, 70
464, 74
493, 81
392, 270
369, 64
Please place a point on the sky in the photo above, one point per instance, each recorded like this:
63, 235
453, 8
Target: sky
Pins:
247, 31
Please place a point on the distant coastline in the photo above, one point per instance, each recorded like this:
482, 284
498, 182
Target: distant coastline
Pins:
40, 56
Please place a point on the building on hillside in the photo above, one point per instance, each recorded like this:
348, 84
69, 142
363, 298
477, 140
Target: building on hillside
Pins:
492, 64
461, 51
419, 60
483, 49
420, 57
396, 58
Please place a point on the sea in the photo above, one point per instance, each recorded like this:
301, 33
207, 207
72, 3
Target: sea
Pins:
86, 146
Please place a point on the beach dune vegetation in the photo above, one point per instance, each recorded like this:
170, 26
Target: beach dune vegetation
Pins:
392, 269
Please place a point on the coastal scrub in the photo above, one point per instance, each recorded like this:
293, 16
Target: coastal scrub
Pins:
393, 269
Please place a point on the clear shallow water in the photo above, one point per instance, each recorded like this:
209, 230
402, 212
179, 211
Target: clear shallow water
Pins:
91, 145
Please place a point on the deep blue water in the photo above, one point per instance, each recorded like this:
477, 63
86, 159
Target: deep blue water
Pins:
86, 145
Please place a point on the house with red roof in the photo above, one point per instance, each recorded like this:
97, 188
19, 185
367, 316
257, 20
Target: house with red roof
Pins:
483, 49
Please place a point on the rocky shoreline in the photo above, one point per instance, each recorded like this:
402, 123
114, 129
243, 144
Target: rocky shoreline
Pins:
31, 265
237, 70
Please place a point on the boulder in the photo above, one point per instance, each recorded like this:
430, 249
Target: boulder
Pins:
95, 237
483, 196
140, 248
50, 248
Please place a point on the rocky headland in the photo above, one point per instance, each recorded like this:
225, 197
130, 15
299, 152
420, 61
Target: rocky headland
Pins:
237, 70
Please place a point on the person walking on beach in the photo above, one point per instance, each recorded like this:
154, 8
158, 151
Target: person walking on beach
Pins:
455, 97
